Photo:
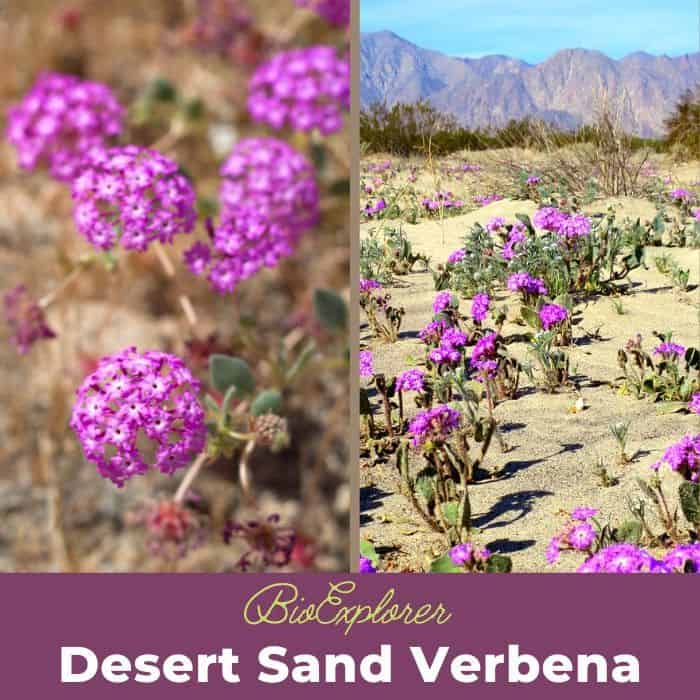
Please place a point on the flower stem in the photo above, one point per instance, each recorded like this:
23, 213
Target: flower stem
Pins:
54, 294
191, 475
244, 476
169, 270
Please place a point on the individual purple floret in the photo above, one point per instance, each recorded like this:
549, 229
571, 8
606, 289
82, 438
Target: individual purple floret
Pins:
25, 318
60, 120
583, 513
683, 556
581, 536
132, 196
480, 307
669, 351
139, 410
456, 257
366, 566
304, 89
270, 175
335, 12
366, 363
694, 405
442, 302
523, 282
621, 559
683, 457
552, 315
410, 380
434, 425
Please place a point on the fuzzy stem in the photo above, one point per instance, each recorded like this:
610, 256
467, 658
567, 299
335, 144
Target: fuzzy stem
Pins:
244, 471
191, 475
169, 270
73, 275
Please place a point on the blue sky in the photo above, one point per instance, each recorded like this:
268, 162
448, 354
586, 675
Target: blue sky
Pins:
532, 30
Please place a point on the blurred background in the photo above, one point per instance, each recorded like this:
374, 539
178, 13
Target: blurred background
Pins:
180, 67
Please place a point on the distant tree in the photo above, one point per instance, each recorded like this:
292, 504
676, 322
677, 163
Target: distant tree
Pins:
683, 125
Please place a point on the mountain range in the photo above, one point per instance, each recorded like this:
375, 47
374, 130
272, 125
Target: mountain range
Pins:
564, 90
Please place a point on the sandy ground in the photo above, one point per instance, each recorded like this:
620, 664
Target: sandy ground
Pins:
549, 464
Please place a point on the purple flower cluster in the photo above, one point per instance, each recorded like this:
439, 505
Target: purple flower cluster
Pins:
410, 380
371, 210
271, 176
442, 200
552, 315
621, 558
483, 200
131, 396
669, 351
456, 257
681, 195
694, 405
523, 282
577, 534
575, 226
480, 307
517, 235
25, 318
366, 566
442, 302
432, 333
677, 559
60, 120
450, 349
366, 363
533, 180
466, 554
305, 89
435, 425
495, 224
335, 12
132, 196
549, 219
683, 457
569, 226
483, 357
367, 285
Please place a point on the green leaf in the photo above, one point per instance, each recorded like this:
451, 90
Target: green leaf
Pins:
367, 550
630, 531
499, 564
450, 511
445, 565
689, 495
330, 309
530, 316
268, 401
161, 89
229, 372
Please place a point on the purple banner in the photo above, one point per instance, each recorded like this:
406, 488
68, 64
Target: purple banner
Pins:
519, 636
